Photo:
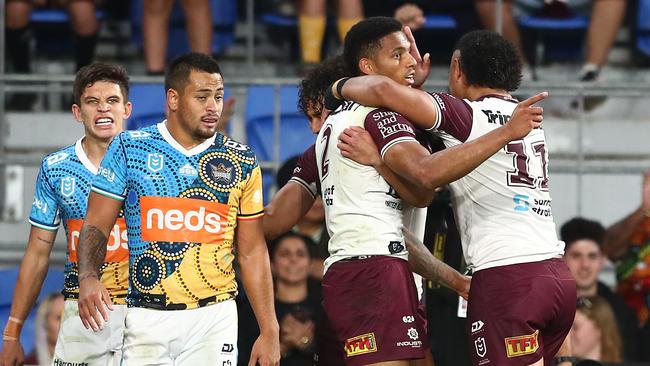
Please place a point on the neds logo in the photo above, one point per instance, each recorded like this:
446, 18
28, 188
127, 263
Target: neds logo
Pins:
182, 219
117, 248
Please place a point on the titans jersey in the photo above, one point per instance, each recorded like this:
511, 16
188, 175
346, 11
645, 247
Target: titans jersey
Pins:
363, 213
181, 208
61, 195
503, 208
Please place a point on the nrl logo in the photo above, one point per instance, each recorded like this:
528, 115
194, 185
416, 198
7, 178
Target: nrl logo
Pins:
67, 186
221, 173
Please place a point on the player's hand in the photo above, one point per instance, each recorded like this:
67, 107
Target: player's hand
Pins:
226, 114
12, 353
646, 193
93, 301
526, 117
463, 287
410, 15
266, 350
356, 144
423, 66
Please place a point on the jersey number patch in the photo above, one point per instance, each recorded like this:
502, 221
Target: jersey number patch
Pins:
521, 177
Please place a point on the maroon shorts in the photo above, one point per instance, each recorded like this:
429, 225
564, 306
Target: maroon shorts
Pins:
519, 313
372, 308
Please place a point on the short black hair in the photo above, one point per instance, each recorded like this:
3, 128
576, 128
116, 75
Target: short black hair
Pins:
90, 74
489, 60
275, 243
180, 68
579, 228
286, 171
312, 89
362, 40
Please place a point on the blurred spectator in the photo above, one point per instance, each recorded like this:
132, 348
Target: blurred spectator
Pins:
48, 322
312, 19
628, 242
594, 334
312, 224
583, 255
606, 18
17, 17
297, 303
155, 28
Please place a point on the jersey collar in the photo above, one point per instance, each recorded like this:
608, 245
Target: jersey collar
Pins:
162, 128
81, 154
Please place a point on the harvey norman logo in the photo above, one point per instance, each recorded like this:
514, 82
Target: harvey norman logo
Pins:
182, 219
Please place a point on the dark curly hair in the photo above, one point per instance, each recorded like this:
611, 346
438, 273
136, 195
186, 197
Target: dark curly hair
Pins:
312, 89
90, 74
489, 60
580, 228
362, 40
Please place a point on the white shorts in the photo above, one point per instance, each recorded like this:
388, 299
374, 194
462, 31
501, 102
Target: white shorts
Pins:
202, 336
77, 345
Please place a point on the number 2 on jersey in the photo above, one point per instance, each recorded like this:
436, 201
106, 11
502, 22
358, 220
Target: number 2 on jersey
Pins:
520, 177
325, 162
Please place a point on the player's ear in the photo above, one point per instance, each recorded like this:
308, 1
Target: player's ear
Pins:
76, 112
128, 107
172, 99
365, 65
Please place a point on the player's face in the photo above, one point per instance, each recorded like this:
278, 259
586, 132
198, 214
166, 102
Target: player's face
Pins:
291, 261
585, 335
200, 105
457, 85
102, 109
585, 260
393, 59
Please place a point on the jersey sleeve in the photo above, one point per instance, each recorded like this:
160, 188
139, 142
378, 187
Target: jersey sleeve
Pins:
306, 172
454, 116
45, 210
251, 204
110, 180
388, 128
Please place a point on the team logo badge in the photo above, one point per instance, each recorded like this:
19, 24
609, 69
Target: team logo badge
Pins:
395, 247
412, 333
155, 162
481, 347
219, 172
67, 186
522, 345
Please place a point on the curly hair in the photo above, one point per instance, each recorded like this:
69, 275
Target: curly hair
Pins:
312, 89
362, 40
579, 228
489, 60
90, 74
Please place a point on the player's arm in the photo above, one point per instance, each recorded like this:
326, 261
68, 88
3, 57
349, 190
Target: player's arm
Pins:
255, 267
100, 218
287, 207
33, 269
452, 163
428, 266
356, 143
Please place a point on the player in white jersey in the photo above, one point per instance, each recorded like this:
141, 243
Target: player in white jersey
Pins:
101, 105
522, 298
364, 215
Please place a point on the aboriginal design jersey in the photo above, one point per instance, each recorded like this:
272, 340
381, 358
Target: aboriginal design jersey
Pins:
181, 208
61, 195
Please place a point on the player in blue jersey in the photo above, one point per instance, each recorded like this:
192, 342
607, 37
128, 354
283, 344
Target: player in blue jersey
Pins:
189, 194
62, 187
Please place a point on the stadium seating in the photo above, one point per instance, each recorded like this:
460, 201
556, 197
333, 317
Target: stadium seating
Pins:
295, 134
224, 17
148, 105
561, 33
439, 21
53, 283
643, 28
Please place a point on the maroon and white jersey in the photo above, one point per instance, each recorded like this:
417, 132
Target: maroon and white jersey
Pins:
503, 208
362, 212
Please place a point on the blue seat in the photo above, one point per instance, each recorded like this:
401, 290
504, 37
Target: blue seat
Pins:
53, 283
55, 16
643, 28
558, 33
224, 17
149, 102
279, 20
439, 21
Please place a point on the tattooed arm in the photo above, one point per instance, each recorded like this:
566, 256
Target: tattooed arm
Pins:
426, 265
33, 270
100, 218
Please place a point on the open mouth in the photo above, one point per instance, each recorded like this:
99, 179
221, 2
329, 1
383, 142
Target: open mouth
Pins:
410, 77
104, 121
210, 120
